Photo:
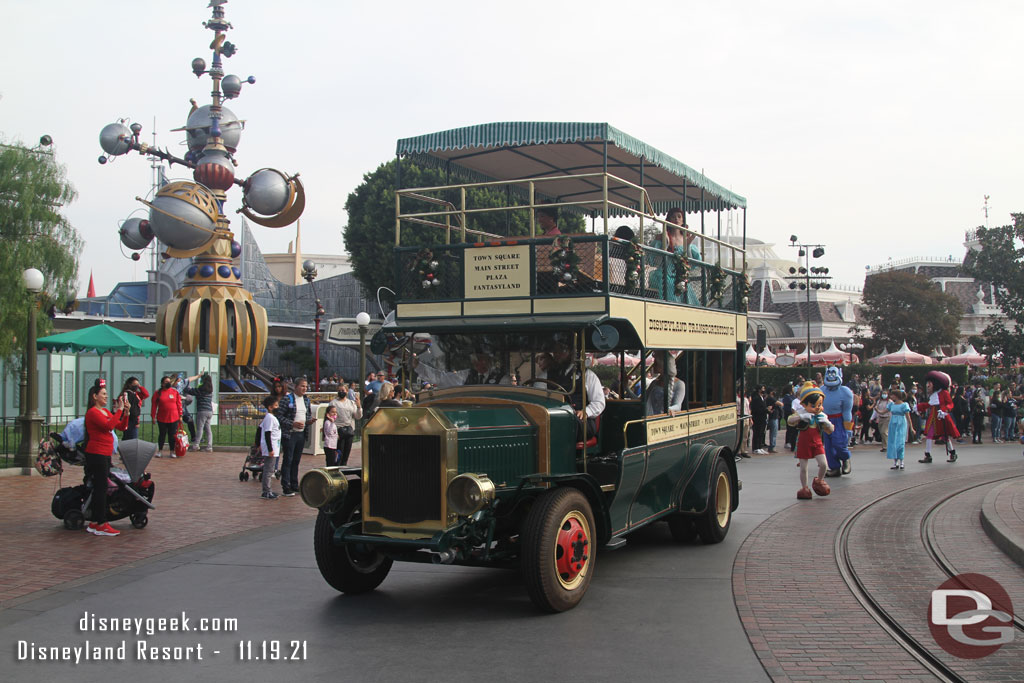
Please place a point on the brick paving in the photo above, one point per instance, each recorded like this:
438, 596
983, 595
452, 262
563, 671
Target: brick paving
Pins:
960, 538
802, 620
198, 498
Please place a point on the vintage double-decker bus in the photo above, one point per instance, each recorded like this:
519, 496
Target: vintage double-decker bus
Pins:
514, 456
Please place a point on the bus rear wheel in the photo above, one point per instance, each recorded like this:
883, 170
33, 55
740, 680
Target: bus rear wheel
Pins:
559, 549
713, 525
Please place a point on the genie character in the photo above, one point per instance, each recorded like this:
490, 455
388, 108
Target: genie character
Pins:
838, 406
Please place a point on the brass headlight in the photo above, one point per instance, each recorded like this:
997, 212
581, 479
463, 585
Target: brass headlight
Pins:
322, 485
468, 493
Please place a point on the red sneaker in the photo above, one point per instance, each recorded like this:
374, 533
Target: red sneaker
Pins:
102, 529
804, 494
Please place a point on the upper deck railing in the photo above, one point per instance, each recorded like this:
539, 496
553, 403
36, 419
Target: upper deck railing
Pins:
527, 265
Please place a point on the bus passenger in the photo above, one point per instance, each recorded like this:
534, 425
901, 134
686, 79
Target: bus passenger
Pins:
664, 278
482, 371
544, 364
547, 220
656, 389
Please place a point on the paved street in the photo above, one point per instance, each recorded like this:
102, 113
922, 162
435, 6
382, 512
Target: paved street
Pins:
655, 610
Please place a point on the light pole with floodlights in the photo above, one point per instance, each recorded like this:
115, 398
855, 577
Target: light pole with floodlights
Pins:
363, 321
30, 420
309, 274
804, 273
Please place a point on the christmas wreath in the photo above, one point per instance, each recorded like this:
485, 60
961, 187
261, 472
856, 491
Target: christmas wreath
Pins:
564, 260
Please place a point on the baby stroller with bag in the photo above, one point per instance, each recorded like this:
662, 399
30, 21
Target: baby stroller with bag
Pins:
130, 489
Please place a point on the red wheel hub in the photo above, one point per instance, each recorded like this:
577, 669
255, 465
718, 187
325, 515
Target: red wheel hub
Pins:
572, 549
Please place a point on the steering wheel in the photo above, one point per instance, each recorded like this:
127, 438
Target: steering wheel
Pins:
556, 385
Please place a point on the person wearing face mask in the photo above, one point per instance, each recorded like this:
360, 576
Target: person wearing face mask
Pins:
166, 412
883, 415
135, 393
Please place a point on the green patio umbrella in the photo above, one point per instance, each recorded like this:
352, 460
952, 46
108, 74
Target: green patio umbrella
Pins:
102, 339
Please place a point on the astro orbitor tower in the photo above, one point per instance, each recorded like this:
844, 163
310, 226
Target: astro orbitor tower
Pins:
212, 312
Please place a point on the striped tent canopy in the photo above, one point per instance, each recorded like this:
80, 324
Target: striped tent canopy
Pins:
968, 357
766, 357
535, 149
751, 355
904, 356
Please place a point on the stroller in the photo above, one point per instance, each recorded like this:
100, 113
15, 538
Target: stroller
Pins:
129, 490
254, 462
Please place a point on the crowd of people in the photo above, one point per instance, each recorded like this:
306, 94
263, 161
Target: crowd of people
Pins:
979, 408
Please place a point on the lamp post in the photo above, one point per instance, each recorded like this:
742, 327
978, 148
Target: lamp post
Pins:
30, 420
363, 321
309, 274
852, 346
804, 272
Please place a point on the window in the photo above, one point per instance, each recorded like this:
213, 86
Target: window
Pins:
69, 389
710, 377
55, 388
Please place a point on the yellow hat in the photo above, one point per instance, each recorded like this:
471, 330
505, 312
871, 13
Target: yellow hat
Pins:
809, 389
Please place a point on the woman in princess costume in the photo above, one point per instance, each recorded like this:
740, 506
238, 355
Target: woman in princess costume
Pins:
939, 426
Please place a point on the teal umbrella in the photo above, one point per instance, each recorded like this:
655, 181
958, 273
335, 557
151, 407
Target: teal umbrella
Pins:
102, 339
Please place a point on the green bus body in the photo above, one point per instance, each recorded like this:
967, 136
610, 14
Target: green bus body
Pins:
493, 475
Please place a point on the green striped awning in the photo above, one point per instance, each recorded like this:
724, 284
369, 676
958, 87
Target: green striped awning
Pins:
530, 149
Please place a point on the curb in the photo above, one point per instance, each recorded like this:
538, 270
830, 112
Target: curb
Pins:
19, 472
1004, 537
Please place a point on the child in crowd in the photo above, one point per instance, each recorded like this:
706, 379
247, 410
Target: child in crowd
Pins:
331, 436
810, 421
977, 416
899, 427
270, 444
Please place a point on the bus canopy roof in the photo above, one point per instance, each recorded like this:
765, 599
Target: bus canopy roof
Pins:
536, 149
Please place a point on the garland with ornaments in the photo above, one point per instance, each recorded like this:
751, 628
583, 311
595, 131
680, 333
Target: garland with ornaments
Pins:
682, 271
743, 291
716, 282
426, 265
634, 261
564, 260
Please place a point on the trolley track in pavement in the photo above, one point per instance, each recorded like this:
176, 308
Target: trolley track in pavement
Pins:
918, 650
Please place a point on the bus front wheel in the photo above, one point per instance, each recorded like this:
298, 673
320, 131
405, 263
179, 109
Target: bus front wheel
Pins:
558, 549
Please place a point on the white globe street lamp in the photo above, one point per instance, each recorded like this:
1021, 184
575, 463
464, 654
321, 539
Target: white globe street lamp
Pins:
363, 321
30, 421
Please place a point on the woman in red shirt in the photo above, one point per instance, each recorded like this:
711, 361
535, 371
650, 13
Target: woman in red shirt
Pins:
100, 424
166, 411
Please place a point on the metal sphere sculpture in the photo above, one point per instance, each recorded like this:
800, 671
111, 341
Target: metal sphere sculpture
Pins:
212, 312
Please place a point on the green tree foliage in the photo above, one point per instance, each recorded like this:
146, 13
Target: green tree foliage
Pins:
901, 306
370, 233
33, 191
303, 358
1000, 261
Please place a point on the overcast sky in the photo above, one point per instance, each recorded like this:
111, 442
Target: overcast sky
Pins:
874, 127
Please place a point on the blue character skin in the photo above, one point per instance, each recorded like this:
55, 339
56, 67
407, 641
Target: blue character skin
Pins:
838, 406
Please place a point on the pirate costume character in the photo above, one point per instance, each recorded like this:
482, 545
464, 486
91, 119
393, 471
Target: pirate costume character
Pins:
810, 422
939, 426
